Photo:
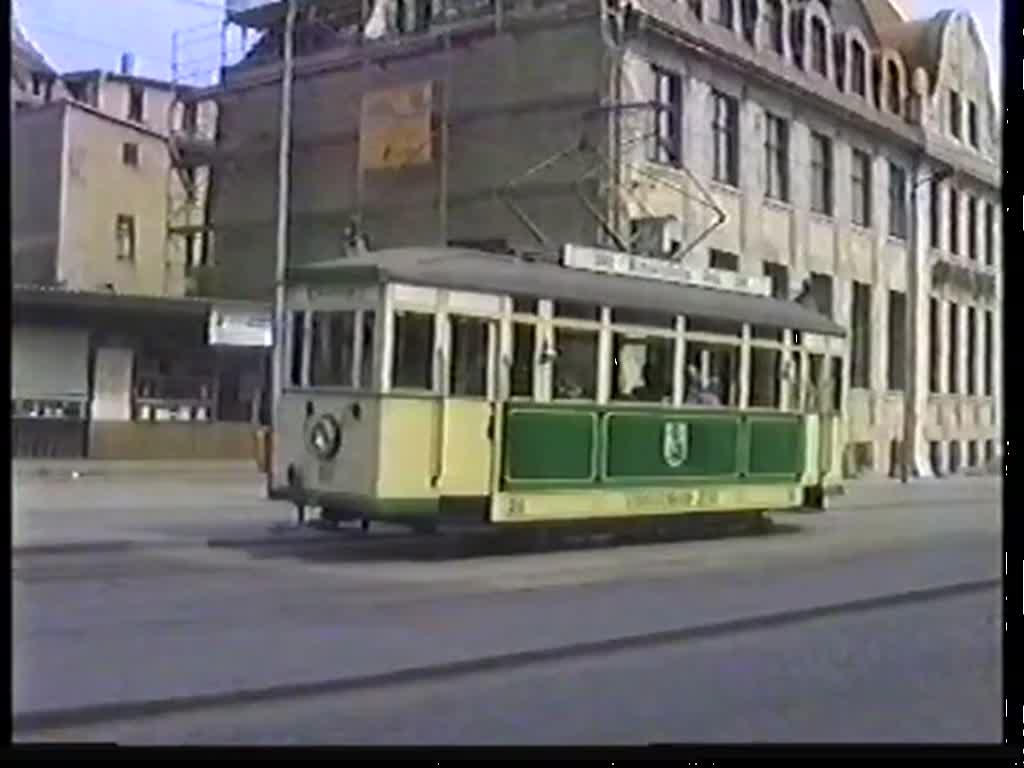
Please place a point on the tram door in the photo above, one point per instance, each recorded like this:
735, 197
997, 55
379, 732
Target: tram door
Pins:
467, 411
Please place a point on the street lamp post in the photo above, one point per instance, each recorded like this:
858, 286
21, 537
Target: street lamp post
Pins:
911, 417
281, 255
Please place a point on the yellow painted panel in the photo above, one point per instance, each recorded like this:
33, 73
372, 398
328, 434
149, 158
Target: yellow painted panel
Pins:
580, 505
412, 436
408, 448
467, 464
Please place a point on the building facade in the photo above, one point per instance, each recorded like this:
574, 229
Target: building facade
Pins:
109, 359
840, 148
95, 191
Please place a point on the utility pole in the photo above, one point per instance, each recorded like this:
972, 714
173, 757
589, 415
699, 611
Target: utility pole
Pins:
281, 264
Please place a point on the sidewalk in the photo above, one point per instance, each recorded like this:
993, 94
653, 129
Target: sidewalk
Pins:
78, 469
883, 492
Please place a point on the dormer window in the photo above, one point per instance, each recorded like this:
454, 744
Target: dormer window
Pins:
819, 48
893, 95
955, 117
773, 25
972, 123
858, 70
724, 15
749, 9
839, 54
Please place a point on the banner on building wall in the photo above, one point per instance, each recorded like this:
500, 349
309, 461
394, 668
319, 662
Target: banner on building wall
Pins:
394, 128
233, 328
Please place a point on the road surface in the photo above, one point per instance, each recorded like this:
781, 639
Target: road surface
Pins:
858, 625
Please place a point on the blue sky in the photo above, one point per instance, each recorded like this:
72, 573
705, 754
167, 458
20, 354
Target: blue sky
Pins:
87, 34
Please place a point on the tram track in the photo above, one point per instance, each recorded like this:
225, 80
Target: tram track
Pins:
32, 723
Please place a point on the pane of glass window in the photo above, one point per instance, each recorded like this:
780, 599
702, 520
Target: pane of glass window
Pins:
575, 367
333, 344
366, 363
413, 354
764, 377
642, 368
468, 364
298, 332
523, 354
712, 374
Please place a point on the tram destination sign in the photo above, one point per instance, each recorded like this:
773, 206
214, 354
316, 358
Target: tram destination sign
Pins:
628, 265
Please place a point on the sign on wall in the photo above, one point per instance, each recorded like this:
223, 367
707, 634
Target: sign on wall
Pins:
240, 329
394, 128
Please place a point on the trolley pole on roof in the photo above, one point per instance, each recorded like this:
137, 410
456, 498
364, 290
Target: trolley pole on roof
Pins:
281, 263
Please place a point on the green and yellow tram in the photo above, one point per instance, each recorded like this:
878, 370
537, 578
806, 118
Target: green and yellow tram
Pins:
434, 385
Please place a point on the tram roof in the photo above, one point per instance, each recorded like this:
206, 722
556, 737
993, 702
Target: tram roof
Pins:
544, 278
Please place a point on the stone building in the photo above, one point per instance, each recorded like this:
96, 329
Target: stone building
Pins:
841, 148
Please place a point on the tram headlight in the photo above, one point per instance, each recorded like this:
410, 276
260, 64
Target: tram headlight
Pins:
325, 437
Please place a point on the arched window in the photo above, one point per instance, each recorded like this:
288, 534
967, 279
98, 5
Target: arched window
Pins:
819, 49
773, 25
893, 100
858, 69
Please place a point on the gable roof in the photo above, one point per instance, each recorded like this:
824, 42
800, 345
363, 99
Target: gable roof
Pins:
25, 54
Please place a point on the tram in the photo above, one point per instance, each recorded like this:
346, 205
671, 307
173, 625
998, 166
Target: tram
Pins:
431, 386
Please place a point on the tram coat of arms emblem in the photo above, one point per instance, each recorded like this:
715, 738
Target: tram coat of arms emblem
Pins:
675, 443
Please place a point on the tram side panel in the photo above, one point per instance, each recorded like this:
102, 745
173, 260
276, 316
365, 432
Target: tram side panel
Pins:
578, 462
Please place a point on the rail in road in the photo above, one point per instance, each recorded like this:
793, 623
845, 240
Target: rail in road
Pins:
27, 724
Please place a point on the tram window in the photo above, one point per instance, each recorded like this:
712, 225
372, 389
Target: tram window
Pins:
298, 333
642, 369
468, 364
333, 344
792, 373
765, 332
712, 374
522, 305
764, 377
523, 355
575, 365
820, 386
366, 362
710, 325
413, 355
577, 310
643, 317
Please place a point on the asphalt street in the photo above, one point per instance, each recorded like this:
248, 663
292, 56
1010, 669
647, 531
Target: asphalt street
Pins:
837, 626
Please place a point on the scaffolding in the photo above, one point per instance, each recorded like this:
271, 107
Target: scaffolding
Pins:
245, 51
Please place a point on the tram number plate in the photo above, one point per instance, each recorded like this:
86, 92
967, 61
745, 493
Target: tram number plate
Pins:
325, 474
